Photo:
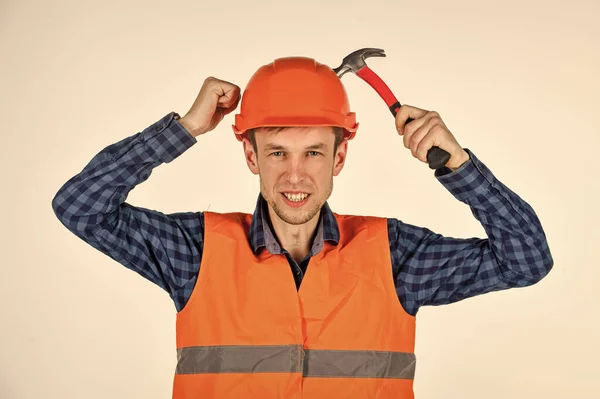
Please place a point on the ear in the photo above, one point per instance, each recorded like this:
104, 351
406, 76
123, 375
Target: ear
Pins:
340, 157
250, 155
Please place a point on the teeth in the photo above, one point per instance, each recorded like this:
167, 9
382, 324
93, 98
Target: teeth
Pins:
295, 197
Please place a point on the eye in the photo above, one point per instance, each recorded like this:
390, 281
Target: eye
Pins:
316, 152
276, 152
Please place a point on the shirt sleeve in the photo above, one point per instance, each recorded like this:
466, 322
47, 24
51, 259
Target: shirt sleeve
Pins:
432, 269
163, 248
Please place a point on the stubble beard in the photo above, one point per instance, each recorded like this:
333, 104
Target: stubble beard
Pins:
298, 216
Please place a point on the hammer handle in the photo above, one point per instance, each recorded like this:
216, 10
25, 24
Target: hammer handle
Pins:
436, 157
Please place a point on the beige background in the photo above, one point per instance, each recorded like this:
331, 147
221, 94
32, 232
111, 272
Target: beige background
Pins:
515, 81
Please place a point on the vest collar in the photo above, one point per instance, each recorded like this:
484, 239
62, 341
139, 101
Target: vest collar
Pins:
262, 235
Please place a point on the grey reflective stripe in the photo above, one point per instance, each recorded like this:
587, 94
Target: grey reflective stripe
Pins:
293, 359
239, 359
373, 364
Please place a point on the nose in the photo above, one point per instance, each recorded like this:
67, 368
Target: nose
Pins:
296, 170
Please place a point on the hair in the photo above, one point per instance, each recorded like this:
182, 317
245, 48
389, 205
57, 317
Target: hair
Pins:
338, 131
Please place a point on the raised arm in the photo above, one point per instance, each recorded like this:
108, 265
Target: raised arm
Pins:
164, 248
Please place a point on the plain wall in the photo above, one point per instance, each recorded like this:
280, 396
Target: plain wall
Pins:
515, 81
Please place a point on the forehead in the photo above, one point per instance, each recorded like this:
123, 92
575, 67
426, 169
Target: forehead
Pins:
295, 136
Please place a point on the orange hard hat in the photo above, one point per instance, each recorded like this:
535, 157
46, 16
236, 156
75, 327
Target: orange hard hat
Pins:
295, 91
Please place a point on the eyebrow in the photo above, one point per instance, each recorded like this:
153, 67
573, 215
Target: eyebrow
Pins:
277, 147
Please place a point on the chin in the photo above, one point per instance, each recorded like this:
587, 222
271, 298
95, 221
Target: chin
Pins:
294, 213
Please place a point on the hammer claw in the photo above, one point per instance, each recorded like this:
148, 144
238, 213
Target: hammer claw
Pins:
355, 61
374, 52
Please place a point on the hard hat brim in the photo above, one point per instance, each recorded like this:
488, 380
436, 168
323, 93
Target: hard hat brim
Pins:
276, 121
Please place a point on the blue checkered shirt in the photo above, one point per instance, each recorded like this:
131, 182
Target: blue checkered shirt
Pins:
428, 268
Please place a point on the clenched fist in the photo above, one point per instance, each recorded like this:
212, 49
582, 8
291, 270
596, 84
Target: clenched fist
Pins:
425, 131
216, 99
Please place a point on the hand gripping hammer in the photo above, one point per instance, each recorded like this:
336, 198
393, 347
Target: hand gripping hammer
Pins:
355, 62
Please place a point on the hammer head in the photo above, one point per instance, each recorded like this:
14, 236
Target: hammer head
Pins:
355, 61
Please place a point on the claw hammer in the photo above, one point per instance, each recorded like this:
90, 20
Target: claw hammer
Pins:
355, 62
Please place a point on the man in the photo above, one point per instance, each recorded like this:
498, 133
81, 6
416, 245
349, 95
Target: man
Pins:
296, 300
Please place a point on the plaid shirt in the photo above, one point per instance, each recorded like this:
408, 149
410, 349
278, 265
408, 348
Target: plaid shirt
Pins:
428, 268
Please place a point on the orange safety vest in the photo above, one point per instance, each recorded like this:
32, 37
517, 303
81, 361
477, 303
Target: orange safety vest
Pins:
247, 332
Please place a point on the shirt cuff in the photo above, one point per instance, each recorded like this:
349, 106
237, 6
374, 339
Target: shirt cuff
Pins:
471, 179
168, 138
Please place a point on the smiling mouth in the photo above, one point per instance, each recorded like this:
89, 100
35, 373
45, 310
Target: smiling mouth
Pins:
296, 197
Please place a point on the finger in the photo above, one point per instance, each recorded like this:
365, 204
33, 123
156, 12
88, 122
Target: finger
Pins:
431, 139
230, 100
228, 94
411, 128
415, 138
227, 110
405, 112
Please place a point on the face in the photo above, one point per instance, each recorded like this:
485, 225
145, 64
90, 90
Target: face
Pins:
297, 160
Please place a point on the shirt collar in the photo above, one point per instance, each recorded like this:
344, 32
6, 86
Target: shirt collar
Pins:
262, 235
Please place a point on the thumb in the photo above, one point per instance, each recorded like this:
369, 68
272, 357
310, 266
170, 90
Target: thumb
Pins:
229, 100
227, 93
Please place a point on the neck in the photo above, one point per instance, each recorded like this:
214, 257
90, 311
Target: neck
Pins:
296, 239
